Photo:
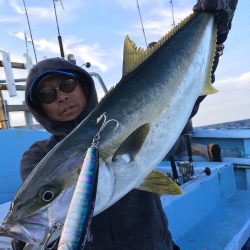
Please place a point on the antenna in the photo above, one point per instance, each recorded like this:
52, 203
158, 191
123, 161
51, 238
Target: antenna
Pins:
26, 43
172, 7
141, 23
58, 31
30, 30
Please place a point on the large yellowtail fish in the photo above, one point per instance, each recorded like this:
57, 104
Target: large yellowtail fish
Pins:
152, 103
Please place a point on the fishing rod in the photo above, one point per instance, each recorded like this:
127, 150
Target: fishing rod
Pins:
32, 41
58, 30
142, 23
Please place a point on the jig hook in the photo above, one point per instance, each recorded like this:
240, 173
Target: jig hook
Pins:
103, 117
57, 226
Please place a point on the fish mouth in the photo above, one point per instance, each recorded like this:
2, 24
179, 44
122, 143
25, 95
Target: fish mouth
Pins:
31, 233
32, 230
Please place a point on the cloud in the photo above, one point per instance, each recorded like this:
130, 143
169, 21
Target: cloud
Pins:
19, 35
92, 53
229, 104
233, 86
41, 13
9, 19
84, 52
157, 19
16, 7
36, 12
47, 46
87, 52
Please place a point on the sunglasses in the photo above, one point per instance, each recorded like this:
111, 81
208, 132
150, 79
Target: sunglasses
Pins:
48, 96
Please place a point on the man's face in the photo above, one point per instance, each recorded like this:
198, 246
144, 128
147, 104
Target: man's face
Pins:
67, 105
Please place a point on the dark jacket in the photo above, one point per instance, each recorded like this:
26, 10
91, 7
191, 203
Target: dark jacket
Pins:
137, 221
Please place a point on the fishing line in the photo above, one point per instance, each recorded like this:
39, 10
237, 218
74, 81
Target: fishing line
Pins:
142, 23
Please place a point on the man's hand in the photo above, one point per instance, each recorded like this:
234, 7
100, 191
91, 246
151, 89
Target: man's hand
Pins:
224, 12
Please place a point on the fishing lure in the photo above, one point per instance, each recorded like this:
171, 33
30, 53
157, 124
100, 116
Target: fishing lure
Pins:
77, 223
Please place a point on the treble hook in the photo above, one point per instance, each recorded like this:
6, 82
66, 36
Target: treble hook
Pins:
57, 226
96, 139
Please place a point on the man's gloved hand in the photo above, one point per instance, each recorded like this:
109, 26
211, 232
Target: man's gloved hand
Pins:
224, 12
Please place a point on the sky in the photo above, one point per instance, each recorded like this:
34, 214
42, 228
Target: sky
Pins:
94, 32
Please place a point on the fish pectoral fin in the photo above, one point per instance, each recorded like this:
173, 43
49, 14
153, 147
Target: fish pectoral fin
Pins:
132, 145
160, 183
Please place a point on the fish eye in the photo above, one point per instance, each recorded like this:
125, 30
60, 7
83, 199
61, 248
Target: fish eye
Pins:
48, 196
48, 193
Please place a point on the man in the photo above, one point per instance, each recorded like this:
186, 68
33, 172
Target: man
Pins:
60, 94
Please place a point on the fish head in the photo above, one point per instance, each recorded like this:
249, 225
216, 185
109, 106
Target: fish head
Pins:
33, 216
43, 200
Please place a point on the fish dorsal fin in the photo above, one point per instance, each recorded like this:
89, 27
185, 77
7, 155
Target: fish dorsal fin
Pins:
208, 87
133, 56
160, 183
132, 145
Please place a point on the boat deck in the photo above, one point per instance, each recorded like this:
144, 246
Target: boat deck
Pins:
213, 213
227, 226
